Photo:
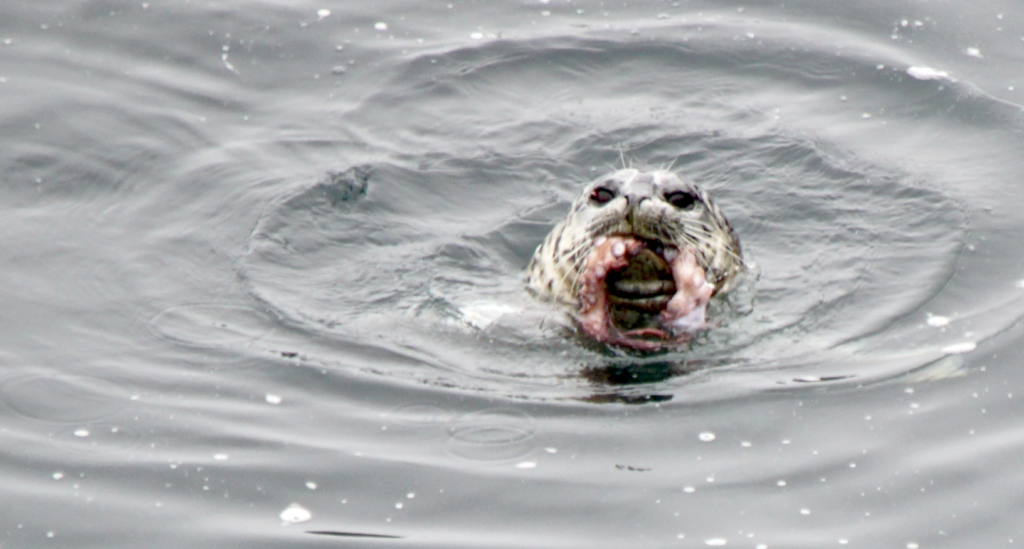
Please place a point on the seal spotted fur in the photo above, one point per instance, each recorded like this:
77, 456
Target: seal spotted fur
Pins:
637, 259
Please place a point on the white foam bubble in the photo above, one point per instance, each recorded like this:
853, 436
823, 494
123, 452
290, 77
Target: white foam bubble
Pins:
960, 348
927, 73
481, 314
295, 513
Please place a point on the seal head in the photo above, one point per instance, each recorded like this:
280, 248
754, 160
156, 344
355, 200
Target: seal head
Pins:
637, 259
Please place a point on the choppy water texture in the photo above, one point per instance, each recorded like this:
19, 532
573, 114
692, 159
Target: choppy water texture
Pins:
262, 275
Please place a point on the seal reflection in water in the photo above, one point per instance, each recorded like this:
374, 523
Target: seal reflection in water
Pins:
637, 259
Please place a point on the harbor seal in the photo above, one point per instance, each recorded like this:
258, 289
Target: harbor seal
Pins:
637, 259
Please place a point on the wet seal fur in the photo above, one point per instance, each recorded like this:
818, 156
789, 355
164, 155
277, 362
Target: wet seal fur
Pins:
637, 259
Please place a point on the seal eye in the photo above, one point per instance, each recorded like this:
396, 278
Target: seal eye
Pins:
681, 199
601, 195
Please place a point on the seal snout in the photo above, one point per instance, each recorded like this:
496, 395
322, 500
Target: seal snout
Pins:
636, 191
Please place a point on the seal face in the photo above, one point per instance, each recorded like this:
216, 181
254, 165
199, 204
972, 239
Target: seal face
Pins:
637, 259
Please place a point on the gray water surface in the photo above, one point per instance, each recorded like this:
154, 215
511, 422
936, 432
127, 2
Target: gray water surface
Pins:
253, 255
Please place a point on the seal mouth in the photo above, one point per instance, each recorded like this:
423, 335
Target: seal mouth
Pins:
641, 293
